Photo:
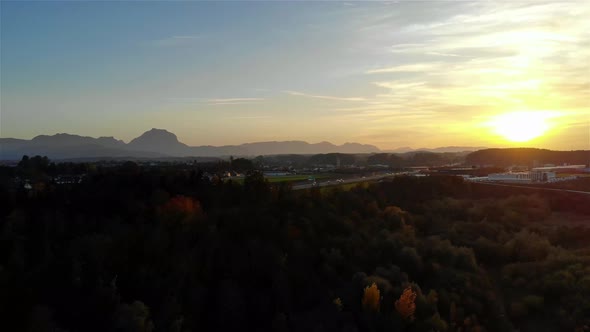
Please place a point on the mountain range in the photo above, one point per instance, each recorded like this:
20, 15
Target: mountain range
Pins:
158, 143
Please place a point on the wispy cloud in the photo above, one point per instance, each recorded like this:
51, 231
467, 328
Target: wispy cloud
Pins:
414, 67
233, 100
178, 40
302, 94
254, 117
217, 101
480, 62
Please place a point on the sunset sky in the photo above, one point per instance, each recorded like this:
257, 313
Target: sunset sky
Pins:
418, 74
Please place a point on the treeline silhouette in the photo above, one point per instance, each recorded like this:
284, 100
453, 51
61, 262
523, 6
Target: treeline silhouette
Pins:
135, 248
527, 156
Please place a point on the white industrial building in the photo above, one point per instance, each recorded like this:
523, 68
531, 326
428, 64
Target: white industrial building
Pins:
536, 175
542, 176
521, 177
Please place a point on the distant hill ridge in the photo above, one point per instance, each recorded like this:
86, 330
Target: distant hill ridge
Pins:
527, 157
157, 143
438, 150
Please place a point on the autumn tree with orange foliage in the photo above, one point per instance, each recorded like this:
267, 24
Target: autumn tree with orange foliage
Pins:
185, 208
371, 298
406, 305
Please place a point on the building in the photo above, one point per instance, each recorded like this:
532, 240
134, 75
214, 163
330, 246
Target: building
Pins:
542, 176
535, 176
560, 169
512, 177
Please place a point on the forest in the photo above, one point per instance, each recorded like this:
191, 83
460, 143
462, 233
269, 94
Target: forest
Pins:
133, 248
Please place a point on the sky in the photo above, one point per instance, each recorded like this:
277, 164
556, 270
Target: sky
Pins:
395, 74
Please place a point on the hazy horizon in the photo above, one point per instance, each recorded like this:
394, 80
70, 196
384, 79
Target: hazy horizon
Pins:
417, 74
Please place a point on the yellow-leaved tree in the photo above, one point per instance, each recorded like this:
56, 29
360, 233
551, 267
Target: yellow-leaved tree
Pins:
371, 298
338, 303
406, 305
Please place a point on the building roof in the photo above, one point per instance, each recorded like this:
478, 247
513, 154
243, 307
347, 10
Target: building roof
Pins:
554, 168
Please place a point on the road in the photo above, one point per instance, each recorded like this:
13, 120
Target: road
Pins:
345, 181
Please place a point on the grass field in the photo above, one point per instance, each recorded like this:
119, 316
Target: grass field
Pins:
294, 178
581, 175
285, 178
343, 187
288, 178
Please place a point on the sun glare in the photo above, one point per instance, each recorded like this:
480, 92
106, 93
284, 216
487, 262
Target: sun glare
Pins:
522, 126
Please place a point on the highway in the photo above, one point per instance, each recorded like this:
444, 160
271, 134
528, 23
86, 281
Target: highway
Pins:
328, 183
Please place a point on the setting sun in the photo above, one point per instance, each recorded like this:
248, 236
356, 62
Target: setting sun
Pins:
521, 126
